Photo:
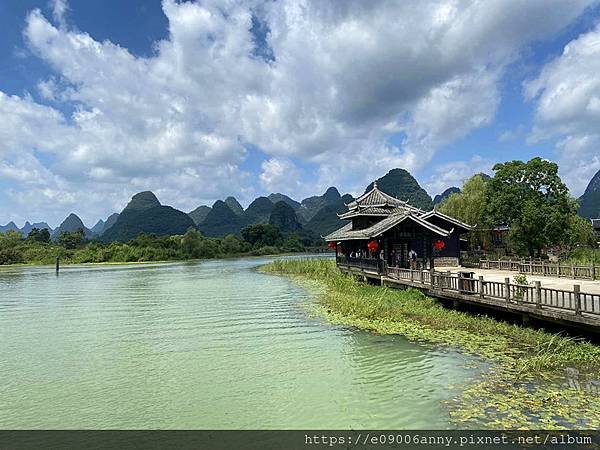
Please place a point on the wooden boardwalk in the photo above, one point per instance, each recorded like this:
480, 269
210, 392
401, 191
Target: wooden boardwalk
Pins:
572, 307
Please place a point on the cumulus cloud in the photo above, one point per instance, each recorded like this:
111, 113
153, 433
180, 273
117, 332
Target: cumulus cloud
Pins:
341, 79
456, 173
566, 95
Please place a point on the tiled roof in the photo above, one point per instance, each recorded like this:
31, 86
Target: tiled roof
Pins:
375, 197
452, 220
347, 233
370, 211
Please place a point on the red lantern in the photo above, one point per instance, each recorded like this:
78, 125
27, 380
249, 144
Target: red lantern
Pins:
331, 245
439, 244
373, 246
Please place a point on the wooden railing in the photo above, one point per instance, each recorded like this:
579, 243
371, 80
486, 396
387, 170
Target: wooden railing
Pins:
542, 268
535, 295
363, 263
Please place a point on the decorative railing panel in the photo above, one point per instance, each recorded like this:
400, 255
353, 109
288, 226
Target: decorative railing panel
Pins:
543, 268
534, 294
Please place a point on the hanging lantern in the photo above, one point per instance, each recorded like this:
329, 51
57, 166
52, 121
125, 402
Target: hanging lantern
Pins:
373, 246
439, 244
331, 245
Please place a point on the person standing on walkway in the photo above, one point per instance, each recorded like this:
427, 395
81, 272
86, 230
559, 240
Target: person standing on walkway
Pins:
412, 257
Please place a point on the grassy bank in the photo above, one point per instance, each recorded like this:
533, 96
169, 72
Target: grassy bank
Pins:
538, 379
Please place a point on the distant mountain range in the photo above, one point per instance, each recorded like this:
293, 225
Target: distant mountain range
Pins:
444, 195
589, 205
311, 217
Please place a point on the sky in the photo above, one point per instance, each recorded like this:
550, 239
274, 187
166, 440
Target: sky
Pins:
199, 100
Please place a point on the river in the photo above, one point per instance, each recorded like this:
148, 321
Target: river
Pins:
203, 345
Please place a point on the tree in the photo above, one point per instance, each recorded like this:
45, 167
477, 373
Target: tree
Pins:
11, 251
580, 233
260, 235
231, 245
469, 206
533, 201
71, 239
39, 235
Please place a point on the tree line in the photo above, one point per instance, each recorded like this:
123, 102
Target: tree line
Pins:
530, 201
73, 247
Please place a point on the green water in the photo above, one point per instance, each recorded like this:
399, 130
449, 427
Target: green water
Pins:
202, 345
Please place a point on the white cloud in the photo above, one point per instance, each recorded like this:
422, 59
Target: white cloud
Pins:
567, 100
456, 173
281, 175
346, 76
59, 11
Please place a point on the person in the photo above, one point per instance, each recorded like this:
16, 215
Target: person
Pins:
412, 256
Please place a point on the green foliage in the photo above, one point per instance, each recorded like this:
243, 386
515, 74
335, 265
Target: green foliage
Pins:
532, 199
10, 251
37, 235
72, 247
259, 235
469, 206
71, 239
580, 233
231, 245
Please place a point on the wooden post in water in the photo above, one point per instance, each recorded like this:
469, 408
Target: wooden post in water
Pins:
538, 294
577, 289
57, 264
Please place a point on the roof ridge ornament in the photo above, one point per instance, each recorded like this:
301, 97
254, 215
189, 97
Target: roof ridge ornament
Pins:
375, 185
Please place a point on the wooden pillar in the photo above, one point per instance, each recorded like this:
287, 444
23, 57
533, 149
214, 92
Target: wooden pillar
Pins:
577, 289
507, 289
481, 291
538, 295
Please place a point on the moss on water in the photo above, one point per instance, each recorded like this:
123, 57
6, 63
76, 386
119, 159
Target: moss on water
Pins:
537, 379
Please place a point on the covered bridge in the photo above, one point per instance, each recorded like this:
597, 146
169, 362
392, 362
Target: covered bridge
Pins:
384, 228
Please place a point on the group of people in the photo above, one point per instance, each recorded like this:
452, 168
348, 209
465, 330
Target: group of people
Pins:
359, 254
395, 257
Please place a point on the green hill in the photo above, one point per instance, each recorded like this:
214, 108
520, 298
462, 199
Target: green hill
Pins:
444, 195
234, 205
401, 184
199, 214
145, 214
326, 220
258, 211
72, 223
311, 205
590, 200
221, 221
284, 217
284, 198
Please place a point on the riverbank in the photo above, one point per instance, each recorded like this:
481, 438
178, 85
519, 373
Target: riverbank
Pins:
536, 380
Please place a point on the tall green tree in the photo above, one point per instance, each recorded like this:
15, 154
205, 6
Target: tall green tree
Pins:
532, 199
39, 235
72, 239
469, 204
11, 251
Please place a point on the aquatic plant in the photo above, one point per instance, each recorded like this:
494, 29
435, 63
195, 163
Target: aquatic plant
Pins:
528, 384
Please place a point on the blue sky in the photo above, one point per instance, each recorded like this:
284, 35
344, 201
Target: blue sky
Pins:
200, 100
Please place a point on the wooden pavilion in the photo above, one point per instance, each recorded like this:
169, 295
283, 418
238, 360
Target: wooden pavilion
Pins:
384, 228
